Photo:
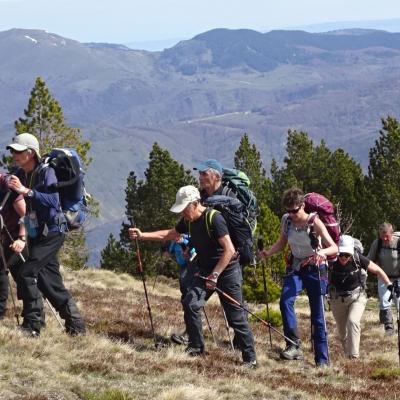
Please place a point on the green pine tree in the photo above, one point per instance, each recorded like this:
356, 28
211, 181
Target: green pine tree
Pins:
384, 176
148, 201
248, 160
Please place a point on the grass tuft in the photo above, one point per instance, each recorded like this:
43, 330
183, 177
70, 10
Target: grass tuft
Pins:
110, 394
386, 374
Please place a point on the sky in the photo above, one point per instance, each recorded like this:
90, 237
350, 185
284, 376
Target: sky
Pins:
128, 21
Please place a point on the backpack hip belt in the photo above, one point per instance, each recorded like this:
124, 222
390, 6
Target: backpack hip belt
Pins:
335, 294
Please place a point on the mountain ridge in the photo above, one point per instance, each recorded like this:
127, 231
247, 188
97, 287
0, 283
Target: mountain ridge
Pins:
199, 97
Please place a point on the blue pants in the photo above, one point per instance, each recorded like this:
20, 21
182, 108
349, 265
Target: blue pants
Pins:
307, 278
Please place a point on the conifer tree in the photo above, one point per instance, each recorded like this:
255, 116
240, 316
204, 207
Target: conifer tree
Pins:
148, 201
44, 118
248, 159
384, 175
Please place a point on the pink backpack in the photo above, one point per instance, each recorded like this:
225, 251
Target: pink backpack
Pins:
317, 203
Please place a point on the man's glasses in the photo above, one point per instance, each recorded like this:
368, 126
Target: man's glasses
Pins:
12, 151
344, 255
294, 210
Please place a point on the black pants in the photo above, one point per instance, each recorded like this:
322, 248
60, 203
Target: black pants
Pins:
197, 295
41, 274
13, 262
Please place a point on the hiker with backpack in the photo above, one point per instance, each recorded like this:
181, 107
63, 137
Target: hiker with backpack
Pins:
12, 236
385, 251
217, 261
310, 245
46, 225
227, 190
347, 296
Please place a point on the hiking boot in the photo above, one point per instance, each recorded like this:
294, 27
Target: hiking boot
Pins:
28, 331
74, 324
322, 365
180, 339
292, 352
194, 351
389, 329
250, 364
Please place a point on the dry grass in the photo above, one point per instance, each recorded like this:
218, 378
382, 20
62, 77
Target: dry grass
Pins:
117, 360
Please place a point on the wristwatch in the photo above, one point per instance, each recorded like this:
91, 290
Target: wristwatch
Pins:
215, 275
30, 193
22, 237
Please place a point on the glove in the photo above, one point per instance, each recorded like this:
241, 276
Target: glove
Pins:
211, 281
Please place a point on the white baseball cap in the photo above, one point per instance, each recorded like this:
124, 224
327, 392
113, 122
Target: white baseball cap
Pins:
25, 141
346, 244
185, 196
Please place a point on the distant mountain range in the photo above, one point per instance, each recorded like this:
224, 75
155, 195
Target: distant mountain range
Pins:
198, 98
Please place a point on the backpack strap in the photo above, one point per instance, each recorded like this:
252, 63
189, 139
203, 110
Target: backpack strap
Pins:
226, 191
209, 215
311, 231
208, 218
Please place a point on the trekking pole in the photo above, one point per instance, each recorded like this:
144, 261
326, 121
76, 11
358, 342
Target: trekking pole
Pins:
237, 304
260, 246
141, 271
396, 289
209, 326
227, 328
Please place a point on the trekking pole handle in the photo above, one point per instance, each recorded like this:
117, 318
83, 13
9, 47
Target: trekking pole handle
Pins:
139, 258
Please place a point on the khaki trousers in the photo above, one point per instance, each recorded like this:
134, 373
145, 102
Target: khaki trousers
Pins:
347, 312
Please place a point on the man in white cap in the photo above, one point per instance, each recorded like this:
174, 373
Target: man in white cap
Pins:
217, 260
45, 224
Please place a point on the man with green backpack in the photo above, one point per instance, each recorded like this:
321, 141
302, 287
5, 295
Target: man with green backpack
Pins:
227, 190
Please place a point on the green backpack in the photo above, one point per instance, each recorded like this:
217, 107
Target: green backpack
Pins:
239, 183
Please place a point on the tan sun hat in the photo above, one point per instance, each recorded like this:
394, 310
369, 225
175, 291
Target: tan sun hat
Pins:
25, 141
185, 196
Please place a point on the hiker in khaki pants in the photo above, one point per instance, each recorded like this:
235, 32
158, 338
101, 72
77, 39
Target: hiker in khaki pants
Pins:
348, 299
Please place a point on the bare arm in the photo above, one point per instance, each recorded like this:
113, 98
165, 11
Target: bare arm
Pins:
159, 236
20, 208
279, 245
379, 272
227, 254
330, 248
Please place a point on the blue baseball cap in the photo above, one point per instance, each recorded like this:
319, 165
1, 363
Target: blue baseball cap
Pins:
205, 165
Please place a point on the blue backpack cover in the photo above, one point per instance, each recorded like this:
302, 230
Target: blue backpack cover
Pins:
70, 186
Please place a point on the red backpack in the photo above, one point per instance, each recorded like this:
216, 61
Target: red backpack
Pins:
317, 203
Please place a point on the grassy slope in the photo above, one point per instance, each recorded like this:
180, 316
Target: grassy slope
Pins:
117, 360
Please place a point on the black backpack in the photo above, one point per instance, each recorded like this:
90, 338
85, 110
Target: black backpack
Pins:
238, 182
234, 213
70, 186
357, 270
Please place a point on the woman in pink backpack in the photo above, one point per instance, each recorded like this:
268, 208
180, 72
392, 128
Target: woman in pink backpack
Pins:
310, 245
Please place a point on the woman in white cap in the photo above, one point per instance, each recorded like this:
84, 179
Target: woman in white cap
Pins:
348, 299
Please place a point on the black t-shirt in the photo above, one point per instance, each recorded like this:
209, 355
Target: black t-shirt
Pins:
347, 277
207, 247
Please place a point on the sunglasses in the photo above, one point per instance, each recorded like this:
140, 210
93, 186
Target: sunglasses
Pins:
12, 151
344, 255
294, 210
